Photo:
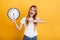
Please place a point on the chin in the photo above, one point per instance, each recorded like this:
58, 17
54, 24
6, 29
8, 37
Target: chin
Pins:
31, 15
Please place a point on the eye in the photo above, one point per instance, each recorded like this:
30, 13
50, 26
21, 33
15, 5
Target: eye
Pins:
30, 9
34, 10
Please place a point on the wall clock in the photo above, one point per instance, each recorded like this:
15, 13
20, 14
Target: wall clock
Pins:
13, 13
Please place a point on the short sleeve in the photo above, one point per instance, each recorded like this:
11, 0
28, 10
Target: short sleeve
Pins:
22, 20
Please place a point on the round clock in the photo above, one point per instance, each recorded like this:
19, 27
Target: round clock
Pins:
13, 13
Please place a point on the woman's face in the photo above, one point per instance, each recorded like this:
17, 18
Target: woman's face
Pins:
32, 11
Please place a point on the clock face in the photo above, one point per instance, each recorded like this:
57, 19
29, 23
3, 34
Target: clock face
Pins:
13, 13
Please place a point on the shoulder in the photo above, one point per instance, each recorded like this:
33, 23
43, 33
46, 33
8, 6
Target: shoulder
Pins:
23, 18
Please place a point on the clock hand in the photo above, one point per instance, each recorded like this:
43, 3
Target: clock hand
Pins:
13, 16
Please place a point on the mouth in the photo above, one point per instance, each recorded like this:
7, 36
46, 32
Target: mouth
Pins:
31, 13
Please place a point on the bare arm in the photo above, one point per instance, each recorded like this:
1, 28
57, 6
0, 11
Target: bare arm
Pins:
37, 20
18, 27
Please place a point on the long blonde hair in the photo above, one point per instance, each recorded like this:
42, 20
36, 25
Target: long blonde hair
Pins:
34, 17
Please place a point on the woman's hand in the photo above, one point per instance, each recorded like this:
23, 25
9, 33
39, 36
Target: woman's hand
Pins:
13, 20
32, 21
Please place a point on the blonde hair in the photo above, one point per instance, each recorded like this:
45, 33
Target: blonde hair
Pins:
34, 17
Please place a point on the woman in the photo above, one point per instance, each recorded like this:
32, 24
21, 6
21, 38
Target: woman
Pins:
30, 22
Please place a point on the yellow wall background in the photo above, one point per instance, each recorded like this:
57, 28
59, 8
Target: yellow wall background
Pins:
48, 10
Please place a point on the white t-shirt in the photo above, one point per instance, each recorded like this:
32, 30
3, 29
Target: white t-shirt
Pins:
29, 30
